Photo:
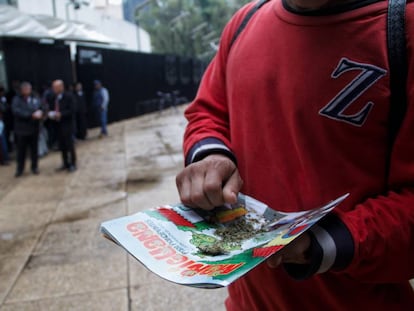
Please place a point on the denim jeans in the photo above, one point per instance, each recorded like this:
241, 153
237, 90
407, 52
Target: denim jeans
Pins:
104, 121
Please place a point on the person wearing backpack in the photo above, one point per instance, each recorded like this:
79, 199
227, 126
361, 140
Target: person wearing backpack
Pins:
298, 109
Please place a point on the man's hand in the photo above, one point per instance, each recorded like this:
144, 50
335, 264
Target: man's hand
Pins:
37, 115
296, 252
209, 183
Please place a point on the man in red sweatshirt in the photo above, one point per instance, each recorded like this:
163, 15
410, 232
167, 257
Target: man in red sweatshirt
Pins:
296, 114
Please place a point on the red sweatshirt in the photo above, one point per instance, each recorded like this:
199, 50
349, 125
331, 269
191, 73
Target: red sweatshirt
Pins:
302, 102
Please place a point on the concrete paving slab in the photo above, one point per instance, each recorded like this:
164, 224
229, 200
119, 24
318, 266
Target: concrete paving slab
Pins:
36, 189
79, 233
83, 205
111, 179
160, 193
163, 296
25, 216
10, 268
114, 300
18, 242
150, 292
69, 273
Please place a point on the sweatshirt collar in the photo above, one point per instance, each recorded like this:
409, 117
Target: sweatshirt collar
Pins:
337, 9
343, 13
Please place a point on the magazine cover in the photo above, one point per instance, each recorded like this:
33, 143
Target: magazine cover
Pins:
209, 249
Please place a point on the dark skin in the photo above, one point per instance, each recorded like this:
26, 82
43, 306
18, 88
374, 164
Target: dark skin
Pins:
311, 5
215, 180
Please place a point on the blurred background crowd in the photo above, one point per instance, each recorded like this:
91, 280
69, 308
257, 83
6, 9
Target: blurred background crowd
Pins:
49, 119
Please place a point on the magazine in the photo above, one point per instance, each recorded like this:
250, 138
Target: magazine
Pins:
209, 249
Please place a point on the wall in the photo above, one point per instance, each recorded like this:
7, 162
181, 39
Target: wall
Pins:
37, 63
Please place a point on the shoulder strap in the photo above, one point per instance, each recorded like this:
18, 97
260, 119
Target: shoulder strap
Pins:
397, 58
246, 20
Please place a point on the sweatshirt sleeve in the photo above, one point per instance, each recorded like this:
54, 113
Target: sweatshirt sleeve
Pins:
208, 130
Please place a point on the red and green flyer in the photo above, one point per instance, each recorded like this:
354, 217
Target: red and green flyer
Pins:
209, 249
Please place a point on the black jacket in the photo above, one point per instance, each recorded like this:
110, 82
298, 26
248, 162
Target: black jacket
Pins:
66, 108
22, 111
80, 102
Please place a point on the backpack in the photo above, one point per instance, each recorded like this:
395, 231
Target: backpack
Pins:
397, 57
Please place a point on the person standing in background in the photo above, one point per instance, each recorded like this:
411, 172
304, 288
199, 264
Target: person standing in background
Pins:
101, 103
4, 160
50, 125
27, 111
43, 133
61, 112
81, 126
8, 117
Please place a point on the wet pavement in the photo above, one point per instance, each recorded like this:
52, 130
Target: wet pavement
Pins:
52, 256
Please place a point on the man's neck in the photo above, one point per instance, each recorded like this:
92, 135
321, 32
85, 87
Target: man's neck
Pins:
312, 5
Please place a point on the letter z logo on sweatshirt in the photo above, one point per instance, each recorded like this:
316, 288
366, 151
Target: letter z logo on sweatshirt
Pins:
336, 108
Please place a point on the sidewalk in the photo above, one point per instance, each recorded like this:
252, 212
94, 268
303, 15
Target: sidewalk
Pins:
52, 256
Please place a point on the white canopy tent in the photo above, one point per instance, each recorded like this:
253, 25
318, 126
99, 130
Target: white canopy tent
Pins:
72, 31
14, 23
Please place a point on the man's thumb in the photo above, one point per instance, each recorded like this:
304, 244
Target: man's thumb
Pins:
232, 187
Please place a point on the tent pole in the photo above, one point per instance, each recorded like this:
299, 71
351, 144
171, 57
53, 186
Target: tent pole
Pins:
54, 8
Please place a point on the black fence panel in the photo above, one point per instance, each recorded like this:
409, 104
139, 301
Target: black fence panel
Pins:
133, 79
37, 63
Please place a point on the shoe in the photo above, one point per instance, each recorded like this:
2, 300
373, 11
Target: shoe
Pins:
71, 168
62, 168
18, 174
35, 171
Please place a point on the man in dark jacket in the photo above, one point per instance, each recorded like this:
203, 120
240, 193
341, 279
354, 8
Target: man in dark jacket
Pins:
62, 112
8, 116
27, 111
4, 109
81, 126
